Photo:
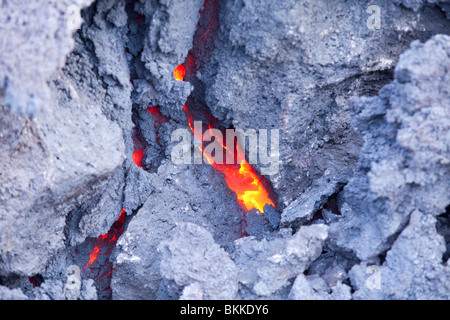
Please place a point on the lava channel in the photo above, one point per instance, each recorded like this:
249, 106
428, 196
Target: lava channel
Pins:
250, 188
99, 268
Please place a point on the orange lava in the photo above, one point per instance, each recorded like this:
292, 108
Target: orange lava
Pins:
240, 177
93, 256
160, 118
138, 156
246, 183
107, 241
179, 73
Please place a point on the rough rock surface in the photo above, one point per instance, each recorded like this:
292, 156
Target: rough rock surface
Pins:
172, 24
43, 177
36, 38
293, 65
418, 4
11, 294
136, 258
362, 182
266, 266
308, 203
193, 260
413, 268
405, 161
315, 288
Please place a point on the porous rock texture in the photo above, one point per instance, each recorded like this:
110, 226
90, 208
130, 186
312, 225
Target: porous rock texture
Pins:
296, 63
403, 179
363, 179
266, 266
418, 4
137, 259
206, 273
36, 38
44, 177
413, 268
404, 164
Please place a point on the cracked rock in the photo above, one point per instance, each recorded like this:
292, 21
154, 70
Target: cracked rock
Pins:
405, 161
413, 268
192, 259
44, 177
315, 288
36, 37
266, 266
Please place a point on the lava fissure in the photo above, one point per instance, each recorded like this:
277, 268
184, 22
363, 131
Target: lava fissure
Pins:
99, 267
139, 143
252, 190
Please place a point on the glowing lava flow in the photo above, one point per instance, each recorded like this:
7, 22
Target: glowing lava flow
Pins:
138, 156
179, 73
240, 177
106, 242
160, 119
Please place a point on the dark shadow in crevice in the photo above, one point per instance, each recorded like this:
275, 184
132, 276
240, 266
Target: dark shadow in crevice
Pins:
443, 228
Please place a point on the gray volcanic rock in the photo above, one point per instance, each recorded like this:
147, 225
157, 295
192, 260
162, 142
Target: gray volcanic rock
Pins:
405, 162
418, 4
312, 200
43, 177
266, 266
181, 194
36, 37
171, 27
193, 260
364, 120
294, 65
413, 268
11, 294
315, 288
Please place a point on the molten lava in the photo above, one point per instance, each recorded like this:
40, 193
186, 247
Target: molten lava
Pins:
160, 118
138, 156
179, 73
240, 177
105, 243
